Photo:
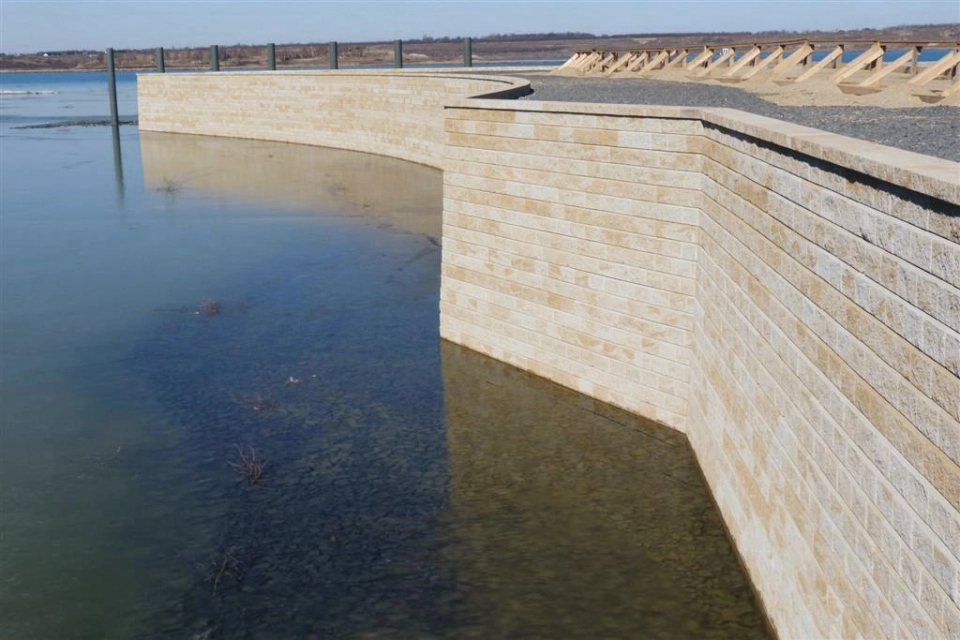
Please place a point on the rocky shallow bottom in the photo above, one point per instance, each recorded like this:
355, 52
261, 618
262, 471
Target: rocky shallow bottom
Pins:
412, 491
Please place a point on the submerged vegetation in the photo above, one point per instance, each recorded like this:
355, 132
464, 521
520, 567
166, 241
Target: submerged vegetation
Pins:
170, 186
222, 568
210, 308
257, 402
248, 466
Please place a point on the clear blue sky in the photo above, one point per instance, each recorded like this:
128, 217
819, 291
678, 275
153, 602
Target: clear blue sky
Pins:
39, 25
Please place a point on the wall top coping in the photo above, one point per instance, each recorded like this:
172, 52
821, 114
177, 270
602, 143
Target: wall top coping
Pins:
474, 73
928, 175
933, 176
505, 86
367, 73
924, 174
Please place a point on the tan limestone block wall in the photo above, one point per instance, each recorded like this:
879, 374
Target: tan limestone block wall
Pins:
821, 367
809, 359
788, 298
827, 348
570, 248
397, 113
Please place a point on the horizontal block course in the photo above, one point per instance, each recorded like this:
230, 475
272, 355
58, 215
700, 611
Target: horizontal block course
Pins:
789, 299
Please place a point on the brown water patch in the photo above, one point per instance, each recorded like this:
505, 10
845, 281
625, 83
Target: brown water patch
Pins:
575, 519
340, 183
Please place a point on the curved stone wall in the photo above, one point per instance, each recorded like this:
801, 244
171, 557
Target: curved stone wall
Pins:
788, 298
398, 114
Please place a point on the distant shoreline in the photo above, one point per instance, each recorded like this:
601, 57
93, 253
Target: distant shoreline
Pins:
379, 65
502, 47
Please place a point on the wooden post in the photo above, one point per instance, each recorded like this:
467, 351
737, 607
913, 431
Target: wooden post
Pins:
677, 57
574, 58
214, 58
770, 58
586, 62
161, 66
943, 65
468, 52
954, 86
876, 76
398, 54
609, 58
858, 63
622, 62
334, 55
701, 60
833, 56
271, 56
788, 62
878, 63
712, 64
639, 63
654, 63
112, 89
750, 57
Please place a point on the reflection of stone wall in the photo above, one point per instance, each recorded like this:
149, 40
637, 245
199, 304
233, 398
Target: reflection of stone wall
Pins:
328, 181
788, 298
397, 114
570, 518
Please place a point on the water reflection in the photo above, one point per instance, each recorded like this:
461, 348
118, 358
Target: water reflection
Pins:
334, 182
397, 503
508, 507
121, 405
118, 166
571, 518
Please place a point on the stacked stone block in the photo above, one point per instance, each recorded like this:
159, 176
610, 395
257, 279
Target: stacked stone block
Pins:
789, 299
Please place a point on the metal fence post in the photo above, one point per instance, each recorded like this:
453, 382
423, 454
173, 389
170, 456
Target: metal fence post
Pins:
214, 58
398, 54
468, 52
271, 56
161, 65
334, 56
112, 88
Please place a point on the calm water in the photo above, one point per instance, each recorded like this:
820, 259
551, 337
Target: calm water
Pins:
163, 308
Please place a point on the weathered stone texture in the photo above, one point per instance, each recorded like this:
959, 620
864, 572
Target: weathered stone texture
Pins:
789, 299
814, 364
389, 113
591, 257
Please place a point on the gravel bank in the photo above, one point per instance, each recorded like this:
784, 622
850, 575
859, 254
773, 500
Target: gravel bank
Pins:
931, 130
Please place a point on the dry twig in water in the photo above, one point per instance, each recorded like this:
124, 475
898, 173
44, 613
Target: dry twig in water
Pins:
220, 569
248, 466
170, 186
210, 308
